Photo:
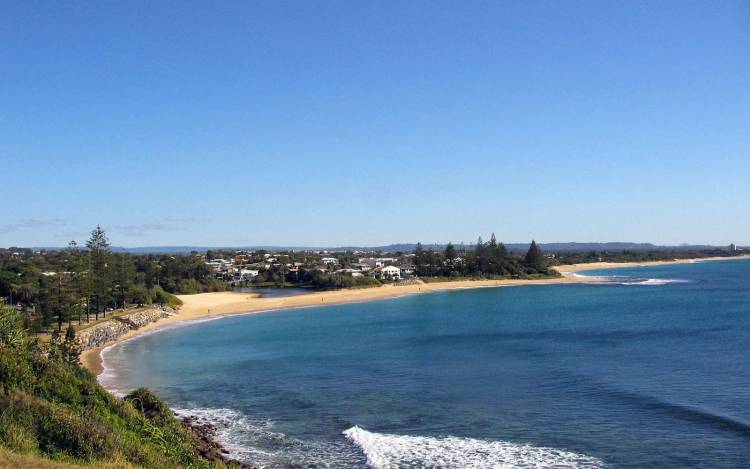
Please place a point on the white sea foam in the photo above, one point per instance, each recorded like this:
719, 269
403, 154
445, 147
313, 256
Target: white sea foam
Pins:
624, 280
384, 451
656, 281
237, 432
254, 441
577, 275
108, 378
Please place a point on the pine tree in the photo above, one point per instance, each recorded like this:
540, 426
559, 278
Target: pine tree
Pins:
62, 300
534, 259
450, 252
480, 256
98, 245
493, 264
77, 285
502, 251
419, 260
123, 278
493, 241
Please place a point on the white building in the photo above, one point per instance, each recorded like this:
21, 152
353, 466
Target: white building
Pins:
248, 274
389, 272
329, 260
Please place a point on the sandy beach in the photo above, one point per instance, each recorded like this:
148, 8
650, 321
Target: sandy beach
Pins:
205, 305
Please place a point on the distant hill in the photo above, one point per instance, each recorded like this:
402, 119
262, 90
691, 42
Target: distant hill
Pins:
409, 247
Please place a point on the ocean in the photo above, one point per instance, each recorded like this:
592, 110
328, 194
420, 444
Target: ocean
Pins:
647, 370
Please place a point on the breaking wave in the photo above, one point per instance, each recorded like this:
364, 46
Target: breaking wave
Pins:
384, 451
654, 281
623, 280
253, 441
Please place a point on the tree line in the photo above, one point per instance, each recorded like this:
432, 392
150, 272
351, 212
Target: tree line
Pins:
78, 284
485, 259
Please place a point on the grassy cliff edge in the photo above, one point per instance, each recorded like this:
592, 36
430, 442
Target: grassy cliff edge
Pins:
53, 413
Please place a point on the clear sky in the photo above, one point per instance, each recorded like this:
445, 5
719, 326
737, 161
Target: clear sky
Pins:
366, 123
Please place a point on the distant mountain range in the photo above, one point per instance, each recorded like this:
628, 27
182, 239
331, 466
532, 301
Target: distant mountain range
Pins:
408, 247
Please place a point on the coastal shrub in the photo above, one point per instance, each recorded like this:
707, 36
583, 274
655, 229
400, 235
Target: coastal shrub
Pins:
161, 297
53, 408
11, 328
14, 373
140, 295
324, 281
16, 437
29, 421
213, 285
61, 430
188, 286
149, 405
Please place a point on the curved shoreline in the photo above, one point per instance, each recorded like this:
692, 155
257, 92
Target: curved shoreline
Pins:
204, 306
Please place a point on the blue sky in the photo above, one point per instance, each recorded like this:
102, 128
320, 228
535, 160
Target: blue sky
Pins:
366, 123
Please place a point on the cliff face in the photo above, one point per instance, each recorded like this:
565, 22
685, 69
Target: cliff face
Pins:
112, 329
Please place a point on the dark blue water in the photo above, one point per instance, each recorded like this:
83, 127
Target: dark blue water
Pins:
647, 373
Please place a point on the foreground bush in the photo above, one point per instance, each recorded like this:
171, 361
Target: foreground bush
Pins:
56, 409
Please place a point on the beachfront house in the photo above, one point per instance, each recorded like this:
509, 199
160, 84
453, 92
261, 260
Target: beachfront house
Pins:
389, 272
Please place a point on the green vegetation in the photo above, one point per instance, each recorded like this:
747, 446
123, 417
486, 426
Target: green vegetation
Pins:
52, 408
633, 255
486, 260
55, 288
325, 281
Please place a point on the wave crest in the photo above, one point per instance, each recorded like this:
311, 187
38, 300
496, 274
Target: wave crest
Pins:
623, 280
385, 451
253, 441
656, 281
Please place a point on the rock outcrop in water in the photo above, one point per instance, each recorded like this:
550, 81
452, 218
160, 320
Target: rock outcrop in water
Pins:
115, 327
207, 444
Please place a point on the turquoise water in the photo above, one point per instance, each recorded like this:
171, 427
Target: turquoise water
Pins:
633, 373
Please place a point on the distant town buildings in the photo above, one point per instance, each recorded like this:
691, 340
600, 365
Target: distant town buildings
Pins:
245, 266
